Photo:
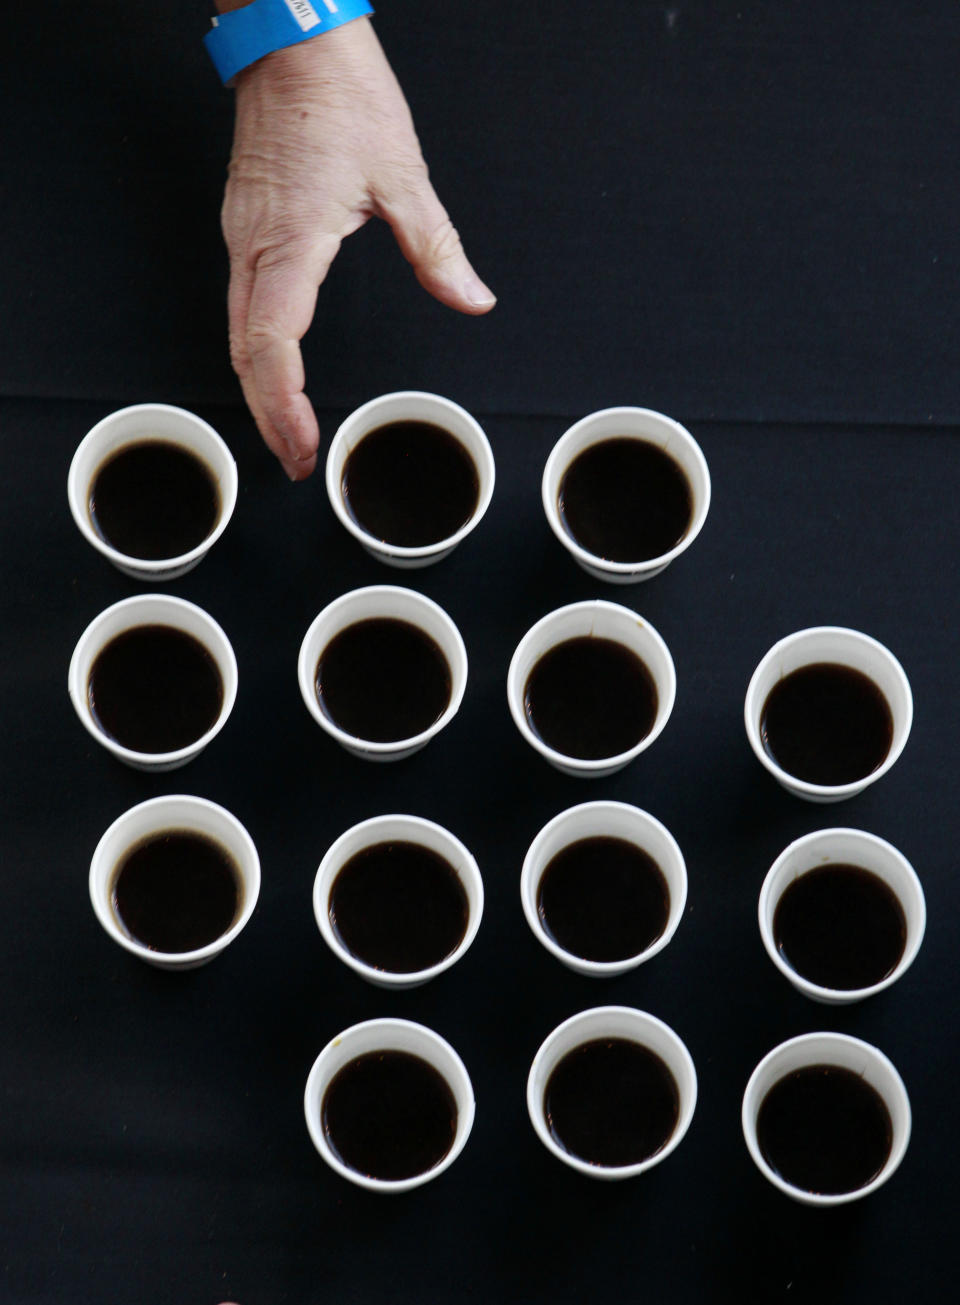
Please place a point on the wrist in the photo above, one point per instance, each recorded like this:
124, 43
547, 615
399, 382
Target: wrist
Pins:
249, 32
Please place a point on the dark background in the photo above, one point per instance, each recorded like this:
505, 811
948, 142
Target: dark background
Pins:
744, 215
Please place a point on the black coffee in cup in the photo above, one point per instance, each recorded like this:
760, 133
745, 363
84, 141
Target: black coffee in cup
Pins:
827, 723
399, 907
154, 499
155, 689
625, 500
840, 926
389, 1114
824, 1129
383, 680
611, 1102
410, 483
176, 891
603, 899
590, 698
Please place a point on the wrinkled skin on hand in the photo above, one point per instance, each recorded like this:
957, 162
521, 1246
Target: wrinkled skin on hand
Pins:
323, 140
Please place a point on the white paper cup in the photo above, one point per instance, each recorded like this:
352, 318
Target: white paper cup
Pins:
612, 1022
607, 621
608, 820
130, 425
843, 847
379, 601
397, 829
828, 1049
409, 405
626, 423
388, 1035
151, 609
176, 812
836, 644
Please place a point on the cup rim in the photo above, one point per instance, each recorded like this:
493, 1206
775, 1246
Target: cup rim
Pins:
749, 1111
685, 1109
229, 680
251, 878
151, 566
316, 1081
766, 908
590, 764
577, 550
486, 476
321, 899
752, 726
528, 889
305, 673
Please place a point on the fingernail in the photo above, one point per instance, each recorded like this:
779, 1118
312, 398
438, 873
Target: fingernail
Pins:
477, 293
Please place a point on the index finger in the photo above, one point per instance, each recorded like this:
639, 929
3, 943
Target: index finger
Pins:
283, 298
238, 308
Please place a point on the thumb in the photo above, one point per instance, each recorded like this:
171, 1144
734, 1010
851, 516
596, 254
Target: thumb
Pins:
429, 242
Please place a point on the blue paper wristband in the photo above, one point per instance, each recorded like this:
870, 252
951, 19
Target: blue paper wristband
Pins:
243, 36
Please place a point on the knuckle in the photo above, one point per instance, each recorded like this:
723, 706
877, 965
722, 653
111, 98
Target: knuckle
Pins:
232, 233
239, 355
235, 217
285, 412
253, 236
276, 247
400, 180
443, 243
262, 336
412, 171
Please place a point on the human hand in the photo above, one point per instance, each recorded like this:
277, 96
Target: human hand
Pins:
323, 140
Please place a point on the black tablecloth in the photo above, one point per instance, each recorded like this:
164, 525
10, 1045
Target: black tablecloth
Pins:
743, 215
737, 209
153, 1143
